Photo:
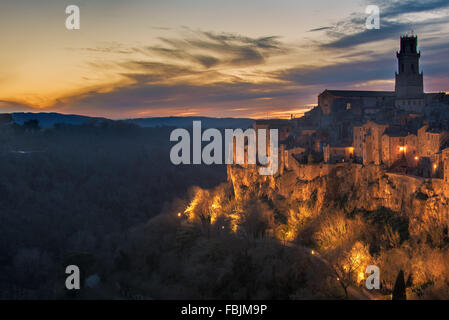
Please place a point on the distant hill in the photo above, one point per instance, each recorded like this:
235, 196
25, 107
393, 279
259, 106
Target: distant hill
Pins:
49, 119
186, 122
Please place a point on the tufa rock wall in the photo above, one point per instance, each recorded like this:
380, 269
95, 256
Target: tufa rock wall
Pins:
425, 202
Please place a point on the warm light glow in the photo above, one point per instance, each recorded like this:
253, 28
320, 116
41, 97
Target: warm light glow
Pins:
179, 214
215, 208
360, 276
357, 260
435, 166
190, 210
416, 158
207, 206
312, 252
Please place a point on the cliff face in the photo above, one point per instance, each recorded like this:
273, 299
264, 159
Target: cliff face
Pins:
424, 202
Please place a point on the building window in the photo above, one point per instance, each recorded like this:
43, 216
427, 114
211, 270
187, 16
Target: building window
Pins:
348, 106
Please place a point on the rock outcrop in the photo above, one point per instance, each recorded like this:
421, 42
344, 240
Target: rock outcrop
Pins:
424, 202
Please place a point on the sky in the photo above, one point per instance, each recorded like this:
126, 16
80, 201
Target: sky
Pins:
229, 58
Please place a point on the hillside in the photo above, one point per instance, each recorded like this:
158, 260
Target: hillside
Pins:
50, 119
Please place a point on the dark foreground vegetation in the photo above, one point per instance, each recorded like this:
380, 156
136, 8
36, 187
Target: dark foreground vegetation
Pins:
104, 196
74, 193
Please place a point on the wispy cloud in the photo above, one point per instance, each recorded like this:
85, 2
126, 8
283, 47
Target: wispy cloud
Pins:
218, 49
320, 29
393, 9
10, 106
395, 19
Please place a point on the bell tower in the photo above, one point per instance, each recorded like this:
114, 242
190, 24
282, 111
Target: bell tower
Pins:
409, 80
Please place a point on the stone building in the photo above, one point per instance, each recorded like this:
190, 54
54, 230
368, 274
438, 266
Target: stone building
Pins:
393, 148
284, 127
430, 141
386, 144
399, 145
395, 129
306, 138
409, 86
408, 96
445, 165
411, 150
292, 156
367, 141
354, 102
436, 165
338, 154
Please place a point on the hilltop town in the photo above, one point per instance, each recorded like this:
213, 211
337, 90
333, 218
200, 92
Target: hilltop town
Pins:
405, 131
363, 177
364, 150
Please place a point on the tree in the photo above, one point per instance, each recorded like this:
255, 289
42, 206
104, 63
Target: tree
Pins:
257, 218
31, 125
399, 287
348, 263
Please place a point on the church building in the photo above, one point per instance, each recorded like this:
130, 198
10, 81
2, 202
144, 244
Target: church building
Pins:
408, 96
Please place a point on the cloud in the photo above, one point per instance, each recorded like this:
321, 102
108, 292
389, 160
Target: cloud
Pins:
351, 32
11, 106
387, 31
320, 29
342, 74
393, 9
218, 99
107, 47
149, 71
218, 49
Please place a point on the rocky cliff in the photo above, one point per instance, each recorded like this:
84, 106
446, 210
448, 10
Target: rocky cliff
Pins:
423, 202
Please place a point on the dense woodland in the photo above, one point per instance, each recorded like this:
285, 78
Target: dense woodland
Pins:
105, 197
72, 191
